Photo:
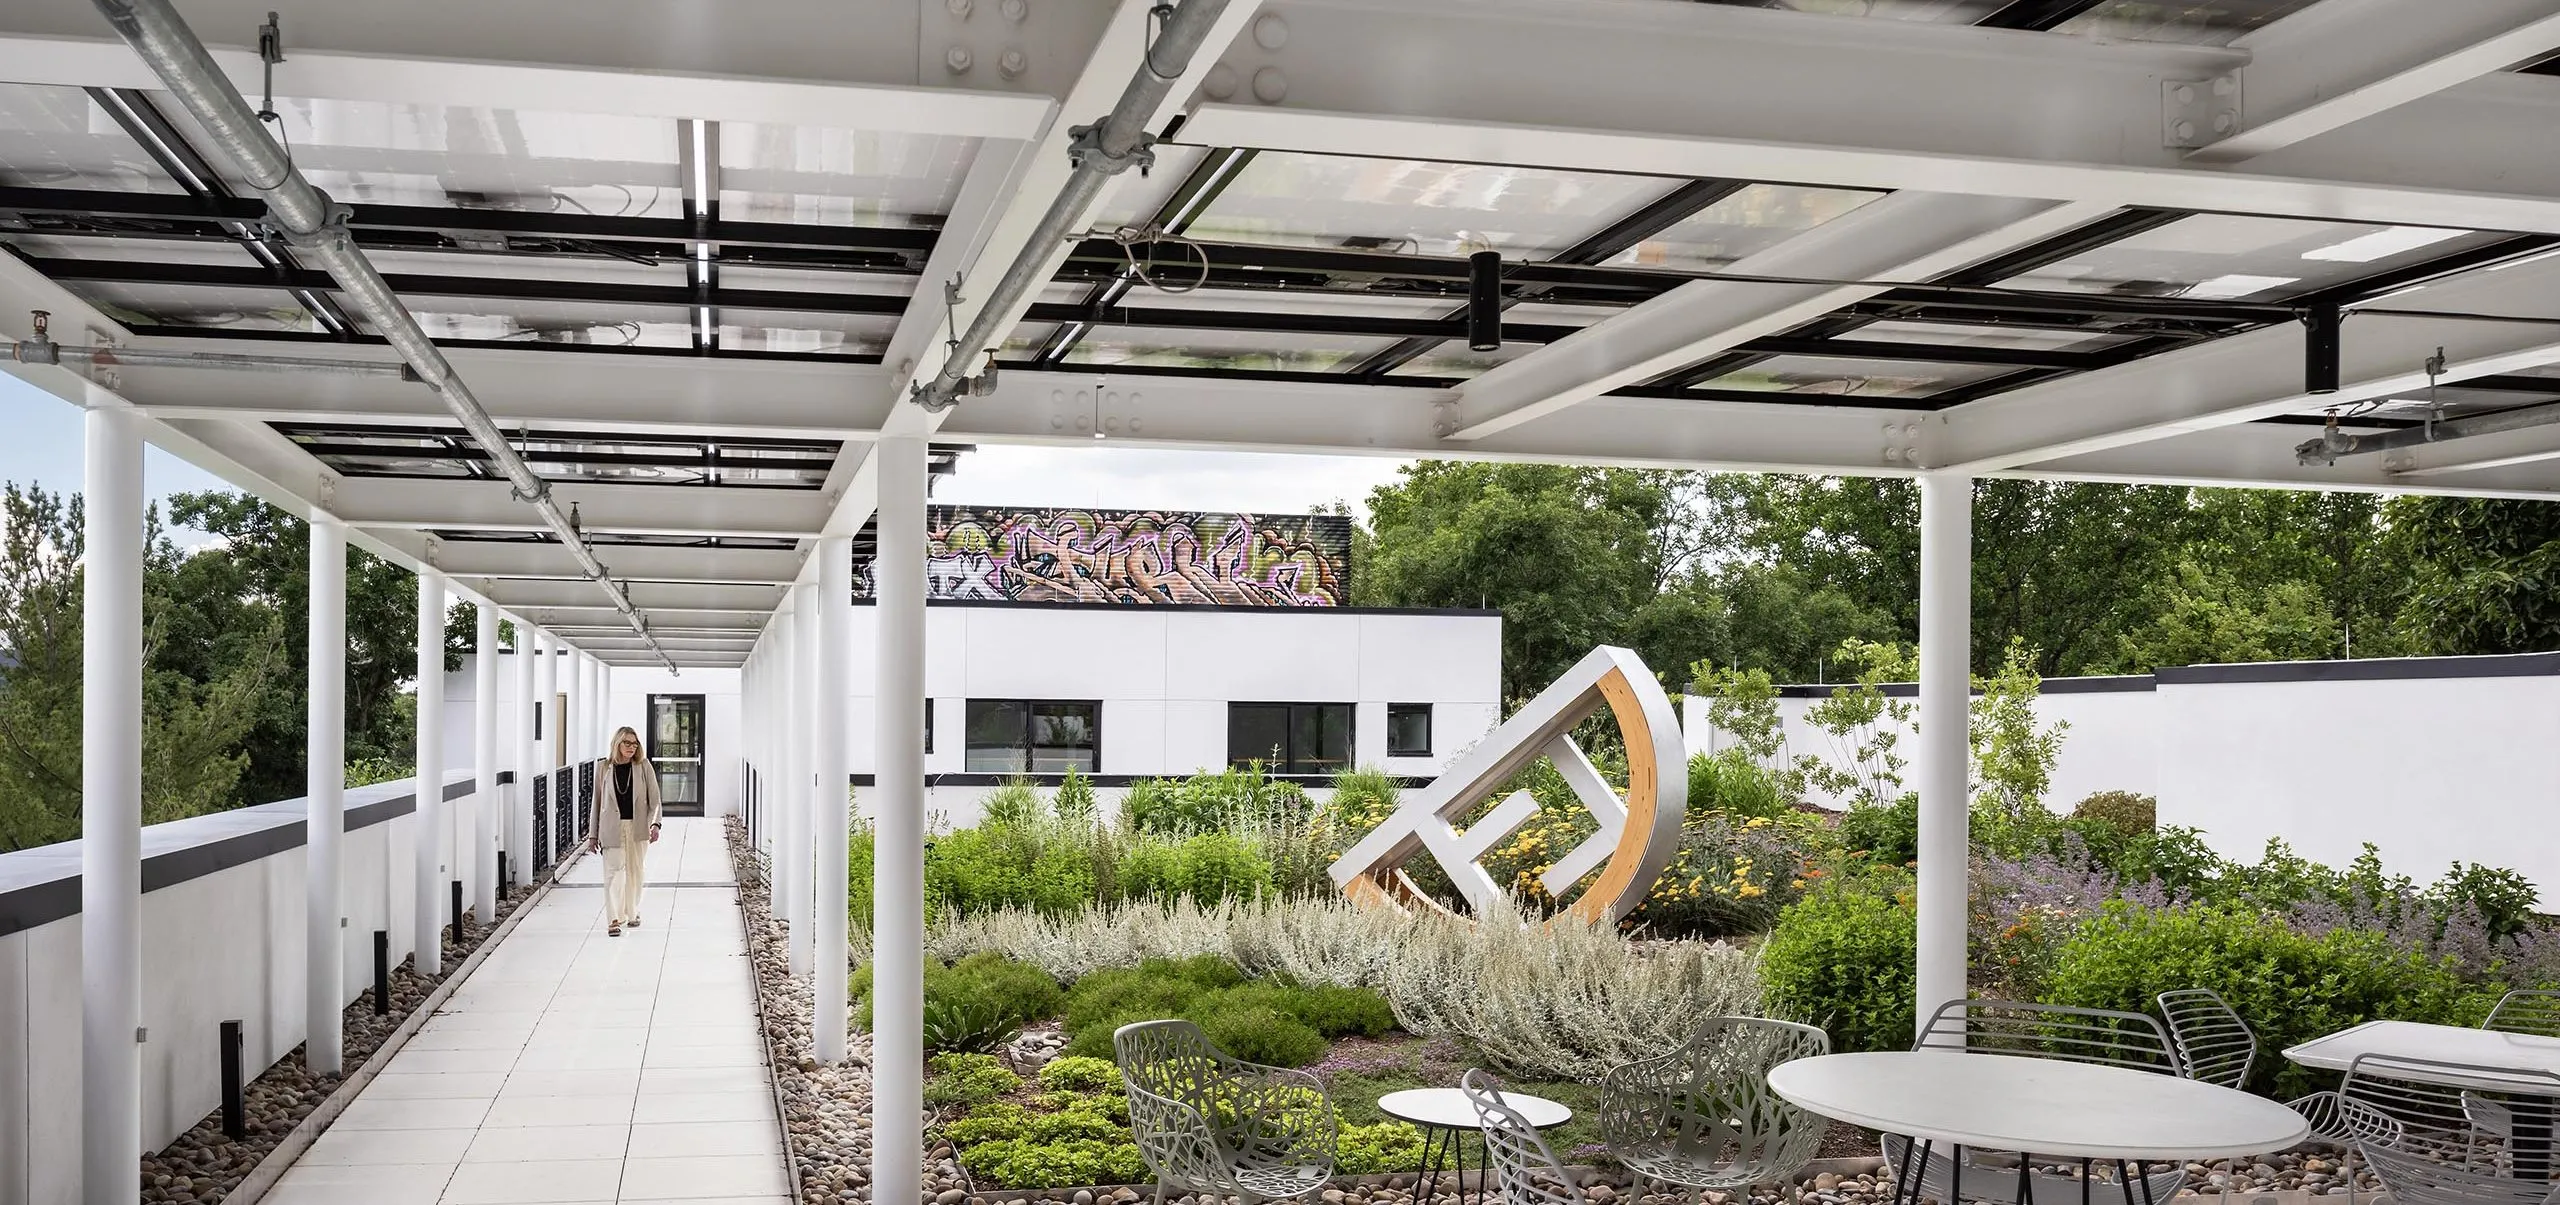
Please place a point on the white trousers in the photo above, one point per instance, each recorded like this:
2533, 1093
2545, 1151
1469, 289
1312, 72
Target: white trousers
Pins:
623, 869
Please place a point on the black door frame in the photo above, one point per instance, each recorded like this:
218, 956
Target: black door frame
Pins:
701, 758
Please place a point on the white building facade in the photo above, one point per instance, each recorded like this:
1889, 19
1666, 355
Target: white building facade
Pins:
1117, 692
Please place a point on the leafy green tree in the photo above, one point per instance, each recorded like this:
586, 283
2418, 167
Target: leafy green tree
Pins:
2207, 616
2484, 574
194, 717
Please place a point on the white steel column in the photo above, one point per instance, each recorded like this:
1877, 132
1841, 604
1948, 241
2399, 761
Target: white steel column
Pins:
546, 696
897, 806
429, 830
111, 810
786, 749
528, 760
480, 866
803, 727
324, 786
832, 813
1946, 695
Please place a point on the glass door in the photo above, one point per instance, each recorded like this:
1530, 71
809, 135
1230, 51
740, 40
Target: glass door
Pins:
675, 748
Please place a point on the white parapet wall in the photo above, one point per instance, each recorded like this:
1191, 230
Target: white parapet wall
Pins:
2433, 760
222, 939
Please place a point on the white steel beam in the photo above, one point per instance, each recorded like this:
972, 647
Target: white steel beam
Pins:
2340, 61
2514, 464
562, 621
648, 596
1910, 236
1718, 91
483, 559
784, 62
1013, 216
2255, 375
1065, 409
379, 502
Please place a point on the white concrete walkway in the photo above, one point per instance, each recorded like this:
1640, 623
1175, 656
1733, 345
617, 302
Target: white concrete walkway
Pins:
576, 1067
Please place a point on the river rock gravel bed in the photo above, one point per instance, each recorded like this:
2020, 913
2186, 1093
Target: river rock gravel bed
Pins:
204, 1165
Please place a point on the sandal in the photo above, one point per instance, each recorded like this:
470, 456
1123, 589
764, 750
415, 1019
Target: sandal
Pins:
633, 923
614, 929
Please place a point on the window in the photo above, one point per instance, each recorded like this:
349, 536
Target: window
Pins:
1290, 738
1008, 736
1408, 730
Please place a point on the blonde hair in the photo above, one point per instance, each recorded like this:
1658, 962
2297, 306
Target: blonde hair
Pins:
640, 752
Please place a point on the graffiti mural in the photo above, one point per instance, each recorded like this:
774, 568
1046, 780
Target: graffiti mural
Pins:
1138, 557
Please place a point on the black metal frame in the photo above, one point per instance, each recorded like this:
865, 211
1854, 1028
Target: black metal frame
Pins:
1027, 746
343, 448
1289, 762
1576, 276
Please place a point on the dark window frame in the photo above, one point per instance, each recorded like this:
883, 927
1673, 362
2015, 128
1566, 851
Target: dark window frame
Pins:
1395, 710
1023, 743
1288, 760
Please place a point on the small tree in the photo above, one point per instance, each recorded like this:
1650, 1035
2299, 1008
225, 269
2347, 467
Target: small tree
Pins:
1863, 724
2013, 753
1743, 704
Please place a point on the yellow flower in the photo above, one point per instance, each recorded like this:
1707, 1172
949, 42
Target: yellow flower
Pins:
1747, 891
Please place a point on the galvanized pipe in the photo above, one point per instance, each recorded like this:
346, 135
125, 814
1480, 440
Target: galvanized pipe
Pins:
37, 351
316, 226
2331, 445
1114, 145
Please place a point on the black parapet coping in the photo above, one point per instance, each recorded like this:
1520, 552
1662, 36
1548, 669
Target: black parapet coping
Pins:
46, 900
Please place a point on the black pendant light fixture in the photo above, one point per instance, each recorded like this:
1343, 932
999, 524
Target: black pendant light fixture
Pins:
1484, 301
2320, 349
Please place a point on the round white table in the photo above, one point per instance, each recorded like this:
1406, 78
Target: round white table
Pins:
1445, 1117
2048, 1107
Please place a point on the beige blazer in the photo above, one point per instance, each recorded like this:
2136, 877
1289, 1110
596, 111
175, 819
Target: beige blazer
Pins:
606, 823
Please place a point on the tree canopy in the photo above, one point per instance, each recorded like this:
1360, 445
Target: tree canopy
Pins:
1776, 572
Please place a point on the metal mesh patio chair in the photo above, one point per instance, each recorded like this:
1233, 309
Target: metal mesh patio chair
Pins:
2528, 1011
1703, 1116
2216, 1045
2018, 1029
1209, 1123
2423, 1138
1524, 1166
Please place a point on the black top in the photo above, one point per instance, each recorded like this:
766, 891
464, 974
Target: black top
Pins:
622, 787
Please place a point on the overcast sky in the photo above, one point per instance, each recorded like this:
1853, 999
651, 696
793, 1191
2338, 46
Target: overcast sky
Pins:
40, 442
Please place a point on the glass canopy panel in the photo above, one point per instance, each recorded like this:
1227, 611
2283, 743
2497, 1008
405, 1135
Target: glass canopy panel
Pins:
137, 305
799, 331
1957, 334
1853, 378
1294, 302
1137, 199
205, 252
735, 275
377, 152
1249, 350
1750, 221
1945, 12
56, 137
2456, 401
1454, 360
582, 323
1429, 208
2202, 22
602, 269
2221, 257
779, 173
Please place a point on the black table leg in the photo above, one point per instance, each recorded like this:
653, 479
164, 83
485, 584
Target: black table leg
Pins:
2533, 1147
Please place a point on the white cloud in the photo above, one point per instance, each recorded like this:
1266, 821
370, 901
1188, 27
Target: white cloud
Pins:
1141, 478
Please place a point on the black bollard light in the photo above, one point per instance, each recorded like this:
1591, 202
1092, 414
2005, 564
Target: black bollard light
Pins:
235, 1114
382, 972
457, 912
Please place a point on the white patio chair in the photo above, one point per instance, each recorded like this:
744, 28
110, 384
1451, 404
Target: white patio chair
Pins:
2217, 1046
1209, 1123
1703, 1116
2423, 1139
1524, 1167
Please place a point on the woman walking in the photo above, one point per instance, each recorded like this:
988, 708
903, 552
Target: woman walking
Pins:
625, 823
